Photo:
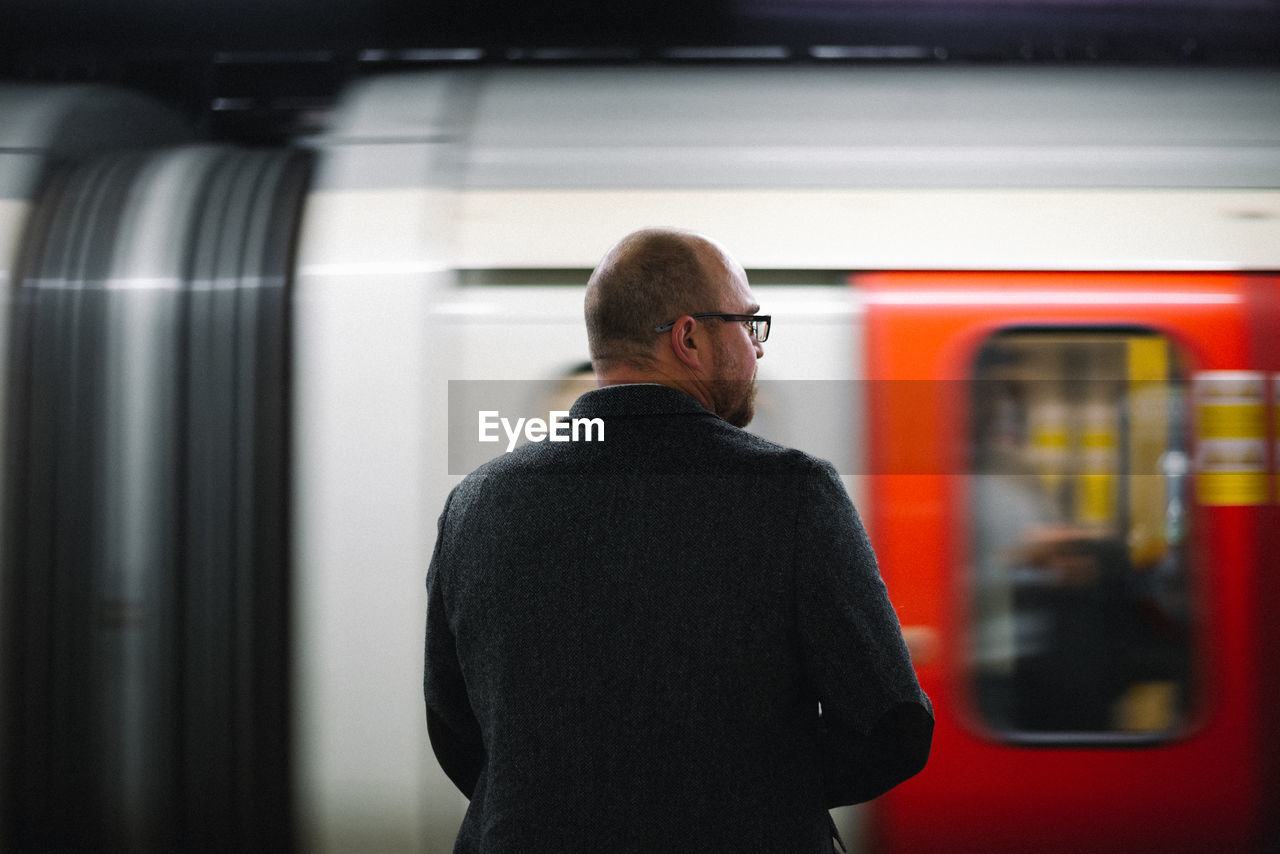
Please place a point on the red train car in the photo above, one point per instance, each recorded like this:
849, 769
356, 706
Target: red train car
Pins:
1074, 499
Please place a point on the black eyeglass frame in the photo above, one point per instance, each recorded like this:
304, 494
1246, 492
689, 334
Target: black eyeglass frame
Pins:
754, 319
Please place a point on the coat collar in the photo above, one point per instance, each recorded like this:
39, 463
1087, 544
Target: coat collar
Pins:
636, 399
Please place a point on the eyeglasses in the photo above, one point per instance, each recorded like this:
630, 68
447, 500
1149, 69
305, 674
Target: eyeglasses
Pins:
757, 324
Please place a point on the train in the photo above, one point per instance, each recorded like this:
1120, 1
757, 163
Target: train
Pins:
1030, 313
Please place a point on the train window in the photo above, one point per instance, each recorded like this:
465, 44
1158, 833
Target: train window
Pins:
1079, 586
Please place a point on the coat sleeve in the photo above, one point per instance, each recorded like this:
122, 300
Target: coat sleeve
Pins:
451, 723
876, 722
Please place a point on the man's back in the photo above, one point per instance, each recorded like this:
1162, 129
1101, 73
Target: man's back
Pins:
628, 641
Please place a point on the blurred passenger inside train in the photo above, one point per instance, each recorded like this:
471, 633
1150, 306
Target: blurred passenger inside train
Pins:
677, 638
1075, 626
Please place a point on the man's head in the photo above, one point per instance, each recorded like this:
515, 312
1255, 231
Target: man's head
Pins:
663, 278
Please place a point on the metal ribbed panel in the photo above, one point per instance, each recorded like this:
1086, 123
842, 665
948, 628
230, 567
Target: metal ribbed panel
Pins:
146, 584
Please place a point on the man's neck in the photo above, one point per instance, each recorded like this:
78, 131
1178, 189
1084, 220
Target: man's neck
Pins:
657, 375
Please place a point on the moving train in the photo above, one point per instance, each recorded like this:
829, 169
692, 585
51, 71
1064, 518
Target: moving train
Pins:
1030, 313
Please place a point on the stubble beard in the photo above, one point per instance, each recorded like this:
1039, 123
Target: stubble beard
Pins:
739, 401
735, 399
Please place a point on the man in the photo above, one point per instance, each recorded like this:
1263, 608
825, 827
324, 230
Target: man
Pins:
675, 639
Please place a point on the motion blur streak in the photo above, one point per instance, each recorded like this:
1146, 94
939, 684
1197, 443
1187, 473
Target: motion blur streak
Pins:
147, 507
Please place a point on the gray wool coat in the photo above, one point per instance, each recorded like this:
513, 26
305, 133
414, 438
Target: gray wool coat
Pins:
675, 639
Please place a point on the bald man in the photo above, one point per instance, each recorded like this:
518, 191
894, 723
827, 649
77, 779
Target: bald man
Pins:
675, 639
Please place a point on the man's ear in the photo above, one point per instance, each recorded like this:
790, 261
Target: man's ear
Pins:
684, 343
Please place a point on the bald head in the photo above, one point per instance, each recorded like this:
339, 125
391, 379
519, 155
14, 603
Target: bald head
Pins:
648, 278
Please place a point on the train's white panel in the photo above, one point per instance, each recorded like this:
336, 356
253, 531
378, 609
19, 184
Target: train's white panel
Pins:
837, 168
923, 229
878, 126
363, 524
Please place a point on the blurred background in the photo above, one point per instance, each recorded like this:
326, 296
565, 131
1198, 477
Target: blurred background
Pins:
245, 68
264, 266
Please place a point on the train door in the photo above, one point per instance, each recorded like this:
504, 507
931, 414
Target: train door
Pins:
1069, 482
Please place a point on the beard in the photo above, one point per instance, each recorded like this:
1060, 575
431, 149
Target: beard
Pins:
745, 408
735, 400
